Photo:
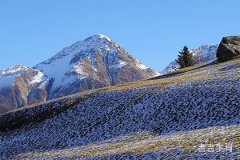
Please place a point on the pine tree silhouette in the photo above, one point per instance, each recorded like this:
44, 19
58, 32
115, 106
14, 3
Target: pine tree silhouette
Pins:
185, 58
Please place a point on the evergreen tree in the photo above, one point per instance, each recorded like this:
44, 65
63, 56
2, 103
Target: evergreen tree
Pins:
185, 58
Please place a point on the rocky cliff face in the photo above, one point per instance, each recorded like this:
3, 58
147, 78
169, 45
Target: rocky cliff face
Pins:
21, 85
229, 48
92, 63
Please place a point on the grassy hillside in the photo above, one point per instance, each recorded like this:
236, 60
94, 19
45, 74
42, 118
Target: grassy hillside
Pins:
168, 117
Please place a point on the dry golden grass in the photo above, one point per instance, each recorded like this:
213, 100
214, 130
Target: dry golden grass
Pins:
186, 73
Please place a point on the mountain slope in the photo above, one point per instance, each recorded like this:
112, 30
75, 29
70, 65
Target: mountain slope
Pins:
165, 118
21, 85
95, 62
202, 55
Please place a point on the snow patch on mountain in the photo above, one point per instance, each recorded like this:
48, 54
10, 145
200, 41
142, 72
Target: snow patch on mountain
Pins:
118, 65
141, 66
79, 70
38, 78
56, 69
157, 73
205, 54
103, 36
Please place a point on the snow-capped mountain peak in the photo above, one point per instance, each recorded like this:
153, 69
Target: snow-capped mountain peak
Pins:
100, 36
85, 47
13, 70
96, 58
94, 62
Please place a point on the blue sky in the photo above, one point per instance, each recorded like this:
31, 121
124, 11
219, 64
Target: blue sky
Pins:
152, 30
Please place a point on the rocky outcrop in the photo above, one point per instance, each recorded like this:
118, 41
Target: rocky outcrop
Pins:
229, 48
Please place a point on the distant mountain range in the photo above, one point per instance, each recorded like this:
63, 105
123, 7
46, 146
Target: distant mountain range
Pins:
202, 55
94, 62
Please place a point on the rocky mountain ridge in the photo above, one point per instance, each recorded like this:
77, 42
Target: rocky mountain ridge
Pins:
92, 63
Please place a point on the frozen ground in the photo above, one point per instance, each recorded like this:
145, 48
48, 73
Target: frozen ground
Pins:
169, 118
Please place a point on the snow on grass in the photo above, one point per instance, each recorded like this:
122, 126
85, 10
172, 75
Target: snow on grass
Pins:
166, 118
147, 143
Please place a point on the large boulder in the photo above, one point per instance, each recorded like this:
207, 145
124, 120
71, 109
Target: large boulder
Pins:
229, 48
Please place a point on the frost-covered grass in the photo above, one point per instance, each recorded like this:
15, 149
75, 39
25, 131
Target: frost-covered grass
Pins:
146, 143
36, 113
166, 118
